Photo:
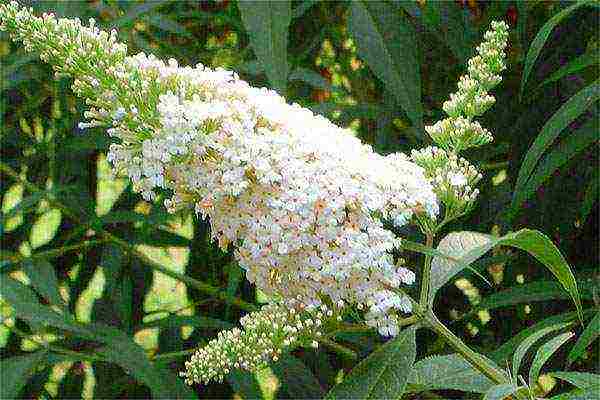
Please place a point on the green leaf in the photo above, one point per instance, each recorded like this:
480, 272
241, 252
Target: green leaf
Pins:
568, 148
447, 372
579, 394
387, 42
43, 279
575, 65
589, 334
530, 341
296, 379
16, 371
544, 353
310, 77
123, 351
384, 374
460, 246
267, 23
503, 353
500, 392
531, 292
582, 380
572, 109
159, 238
591, 195
540, 40
534, 242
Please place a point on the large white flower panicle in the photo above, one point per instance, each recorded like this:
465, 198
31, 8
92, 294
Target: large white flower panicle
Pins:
302, 200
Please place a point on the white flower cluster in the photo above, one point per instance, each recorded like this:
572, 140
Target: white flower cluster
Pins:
459, 132
453, 178
302, 200
264, 336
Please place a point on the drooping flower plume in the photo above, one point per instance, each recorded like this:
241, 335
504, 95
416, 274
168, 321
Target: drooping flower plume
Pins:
303, 201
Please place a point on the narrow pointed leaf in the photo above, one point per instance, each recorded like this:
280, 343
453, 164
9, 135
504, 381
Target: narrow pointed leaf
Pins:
568, 148
591, 195
570, 110
581, 380
544, 353
43, 278
382, 375
530, 341
589, 334
540, 40
575, 65
447, 372
386, 41
267, 23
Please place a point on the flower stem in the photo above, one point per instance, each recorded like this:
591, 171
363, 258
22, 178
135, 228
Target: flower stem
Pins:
478, 361
424, 299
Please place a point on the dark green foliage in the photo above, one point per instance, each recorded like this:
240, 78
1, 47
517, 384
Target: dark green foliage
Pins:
98, 285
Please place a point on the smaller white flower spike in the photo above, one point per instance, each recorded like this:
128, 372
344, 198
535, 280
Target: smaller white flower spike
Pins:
459, 132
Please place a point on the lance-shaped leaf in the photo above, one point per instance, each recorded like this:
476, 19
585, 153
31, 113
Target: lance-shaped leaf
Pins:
267, 23
447, 372
572, 109
531, 241
540, 40
582, 380
589, 334
386, 41
566, 149
43, 278
382, 375
530, 341
544, 353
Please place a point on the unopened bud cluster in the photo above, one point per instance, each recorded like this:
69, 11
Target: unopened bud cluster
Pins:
459, 132
453, 178
264, 336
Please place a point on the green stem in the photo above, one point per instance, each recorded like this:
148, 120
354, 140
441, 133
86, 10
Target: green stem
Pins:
424, 299
478, 361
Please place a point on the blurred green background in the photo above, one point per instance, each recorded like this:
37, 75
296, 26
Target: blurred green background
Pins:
121, 272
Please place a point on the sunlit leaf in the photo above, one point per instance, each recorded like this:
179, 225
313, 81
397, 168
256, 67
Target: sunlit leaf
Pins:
544, 353
589, 335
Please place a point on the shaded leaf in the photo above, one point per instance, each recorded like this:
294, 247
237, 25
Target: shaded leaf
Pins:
267, 23
568, 148
544, 353
503, 353
575, 65
310, 77
384, 374
540, 40
447, 372
591, 195
530, 341
297, 381
43, 279
16, 371
589, 334
570, 110
386, 40
582, 380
